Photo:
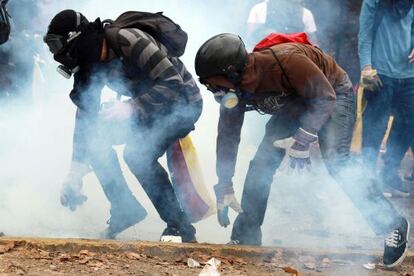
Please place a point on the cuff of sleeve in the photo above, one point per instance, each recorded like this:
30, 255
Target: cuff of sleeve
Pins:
305, 137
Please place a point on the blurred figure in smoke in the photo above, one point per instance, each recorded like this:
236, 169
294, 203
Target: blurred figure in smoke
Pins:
4, 37
165, 105
310, 99
16, 66
282, 16
386, 57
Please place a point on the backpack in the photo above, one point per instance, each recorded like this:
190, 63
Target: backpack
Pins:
4, 22
279, 38
162, 28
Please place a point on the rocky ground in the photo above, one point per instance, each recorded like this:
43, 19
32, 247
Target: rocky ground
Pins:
86, 257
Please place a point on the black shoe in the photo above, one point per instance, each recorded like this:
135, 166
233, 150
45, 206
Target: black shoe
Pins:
409, 178
392, 185
396, 188
187, 233
122, 219
245, 234
395, 247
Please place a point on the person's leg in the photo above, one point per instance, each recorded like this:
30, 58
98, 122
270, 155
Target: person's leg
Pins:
335, 140
246, 228
125, 210
141, 155
375, 120
401, 136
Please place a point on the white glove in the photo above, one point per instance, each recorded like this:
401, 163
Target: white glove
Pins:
225, 199
297, 148
71, 195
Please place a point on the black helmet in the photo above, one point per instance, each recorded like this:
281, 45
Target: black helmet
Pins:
224, 54
64, 27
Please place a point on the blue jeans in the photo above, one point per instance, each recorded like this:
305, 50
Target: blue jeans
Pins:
395, 97
402, 132
335, 140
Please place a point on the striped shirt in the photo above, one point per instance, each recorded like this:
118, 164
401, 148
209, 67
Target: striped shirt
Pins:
144, 71
171, 80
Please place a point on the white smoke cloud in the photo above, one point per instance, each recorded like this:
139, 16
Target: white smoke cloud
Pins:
36, 145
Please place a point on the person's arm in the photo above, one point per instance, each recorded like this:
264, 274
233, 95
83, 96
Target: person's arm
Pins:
168, 86
228, 139
86, 96
310, 83
366, 33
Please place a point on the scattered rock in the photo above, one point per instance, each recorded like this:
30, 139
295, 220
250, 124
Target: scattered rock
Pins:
6, 247
291, 271
133, 256
369, 266
310, 266
192, 263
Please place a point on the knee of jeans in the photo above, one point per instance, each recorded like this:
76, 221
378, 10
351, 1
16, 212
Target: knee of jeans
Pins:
135, 159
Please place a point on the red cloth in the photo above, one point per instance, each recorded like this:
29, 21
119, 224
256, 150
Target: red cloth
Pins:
279, 38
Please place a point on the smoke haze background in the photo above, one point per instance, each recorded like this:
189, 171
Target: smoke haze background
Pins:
36, 146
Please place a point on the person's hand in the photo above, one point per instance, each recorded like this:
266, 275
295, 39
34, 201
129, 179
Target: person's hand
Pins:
225, 199
118, 111
297, 148
370, 79
70, 195
411, 57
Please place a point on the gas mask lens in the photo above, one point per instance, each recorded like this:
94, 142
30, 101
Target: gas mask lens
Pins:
54, 42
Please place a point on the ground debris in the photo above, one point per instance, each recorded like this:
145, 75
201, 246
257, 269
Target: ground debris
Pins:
6, 247
192, 263
134, 256
290, 270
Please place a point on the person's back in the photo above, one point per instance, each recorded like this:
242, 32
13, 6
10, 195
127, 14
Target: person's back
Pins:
282, 16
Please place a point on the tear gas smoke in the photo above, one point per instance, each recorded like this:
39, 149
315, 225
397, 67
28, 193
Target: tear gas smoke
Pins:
36, 145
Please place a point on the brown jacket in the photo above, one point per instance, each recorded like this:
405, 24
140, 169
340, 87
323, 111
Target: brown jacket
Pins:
294, 71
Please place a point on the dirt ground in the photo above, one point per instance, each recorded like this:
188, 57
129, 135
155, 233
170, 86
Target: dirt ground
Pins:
82, 257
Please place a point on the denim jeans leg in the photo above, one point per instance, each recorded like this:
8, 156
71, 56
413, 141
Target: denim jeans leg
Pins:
375, 119
335, 140
402, 132
246, 228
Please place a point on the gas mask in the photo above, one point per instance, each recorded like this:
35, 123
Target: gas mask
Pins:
80, 47
228, 98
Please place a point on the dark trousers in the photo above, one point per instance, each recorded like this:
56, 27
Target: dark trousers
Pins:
334, 139
395, 97
402, 132
104, 161
143, 149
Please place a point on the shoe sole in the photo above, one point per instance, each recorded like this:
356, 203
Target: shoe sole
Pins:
401, 259
394, 192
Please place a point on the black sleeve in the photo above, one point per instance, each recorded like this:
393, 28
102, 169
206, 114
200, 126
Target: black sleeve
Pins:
228, 140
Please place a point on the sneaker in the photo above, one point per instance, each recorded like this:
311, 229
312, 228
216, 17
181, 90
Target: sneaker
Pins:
120, 220
410, 177
233, 242
392, 185
395, 246
397, 190
187, 234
